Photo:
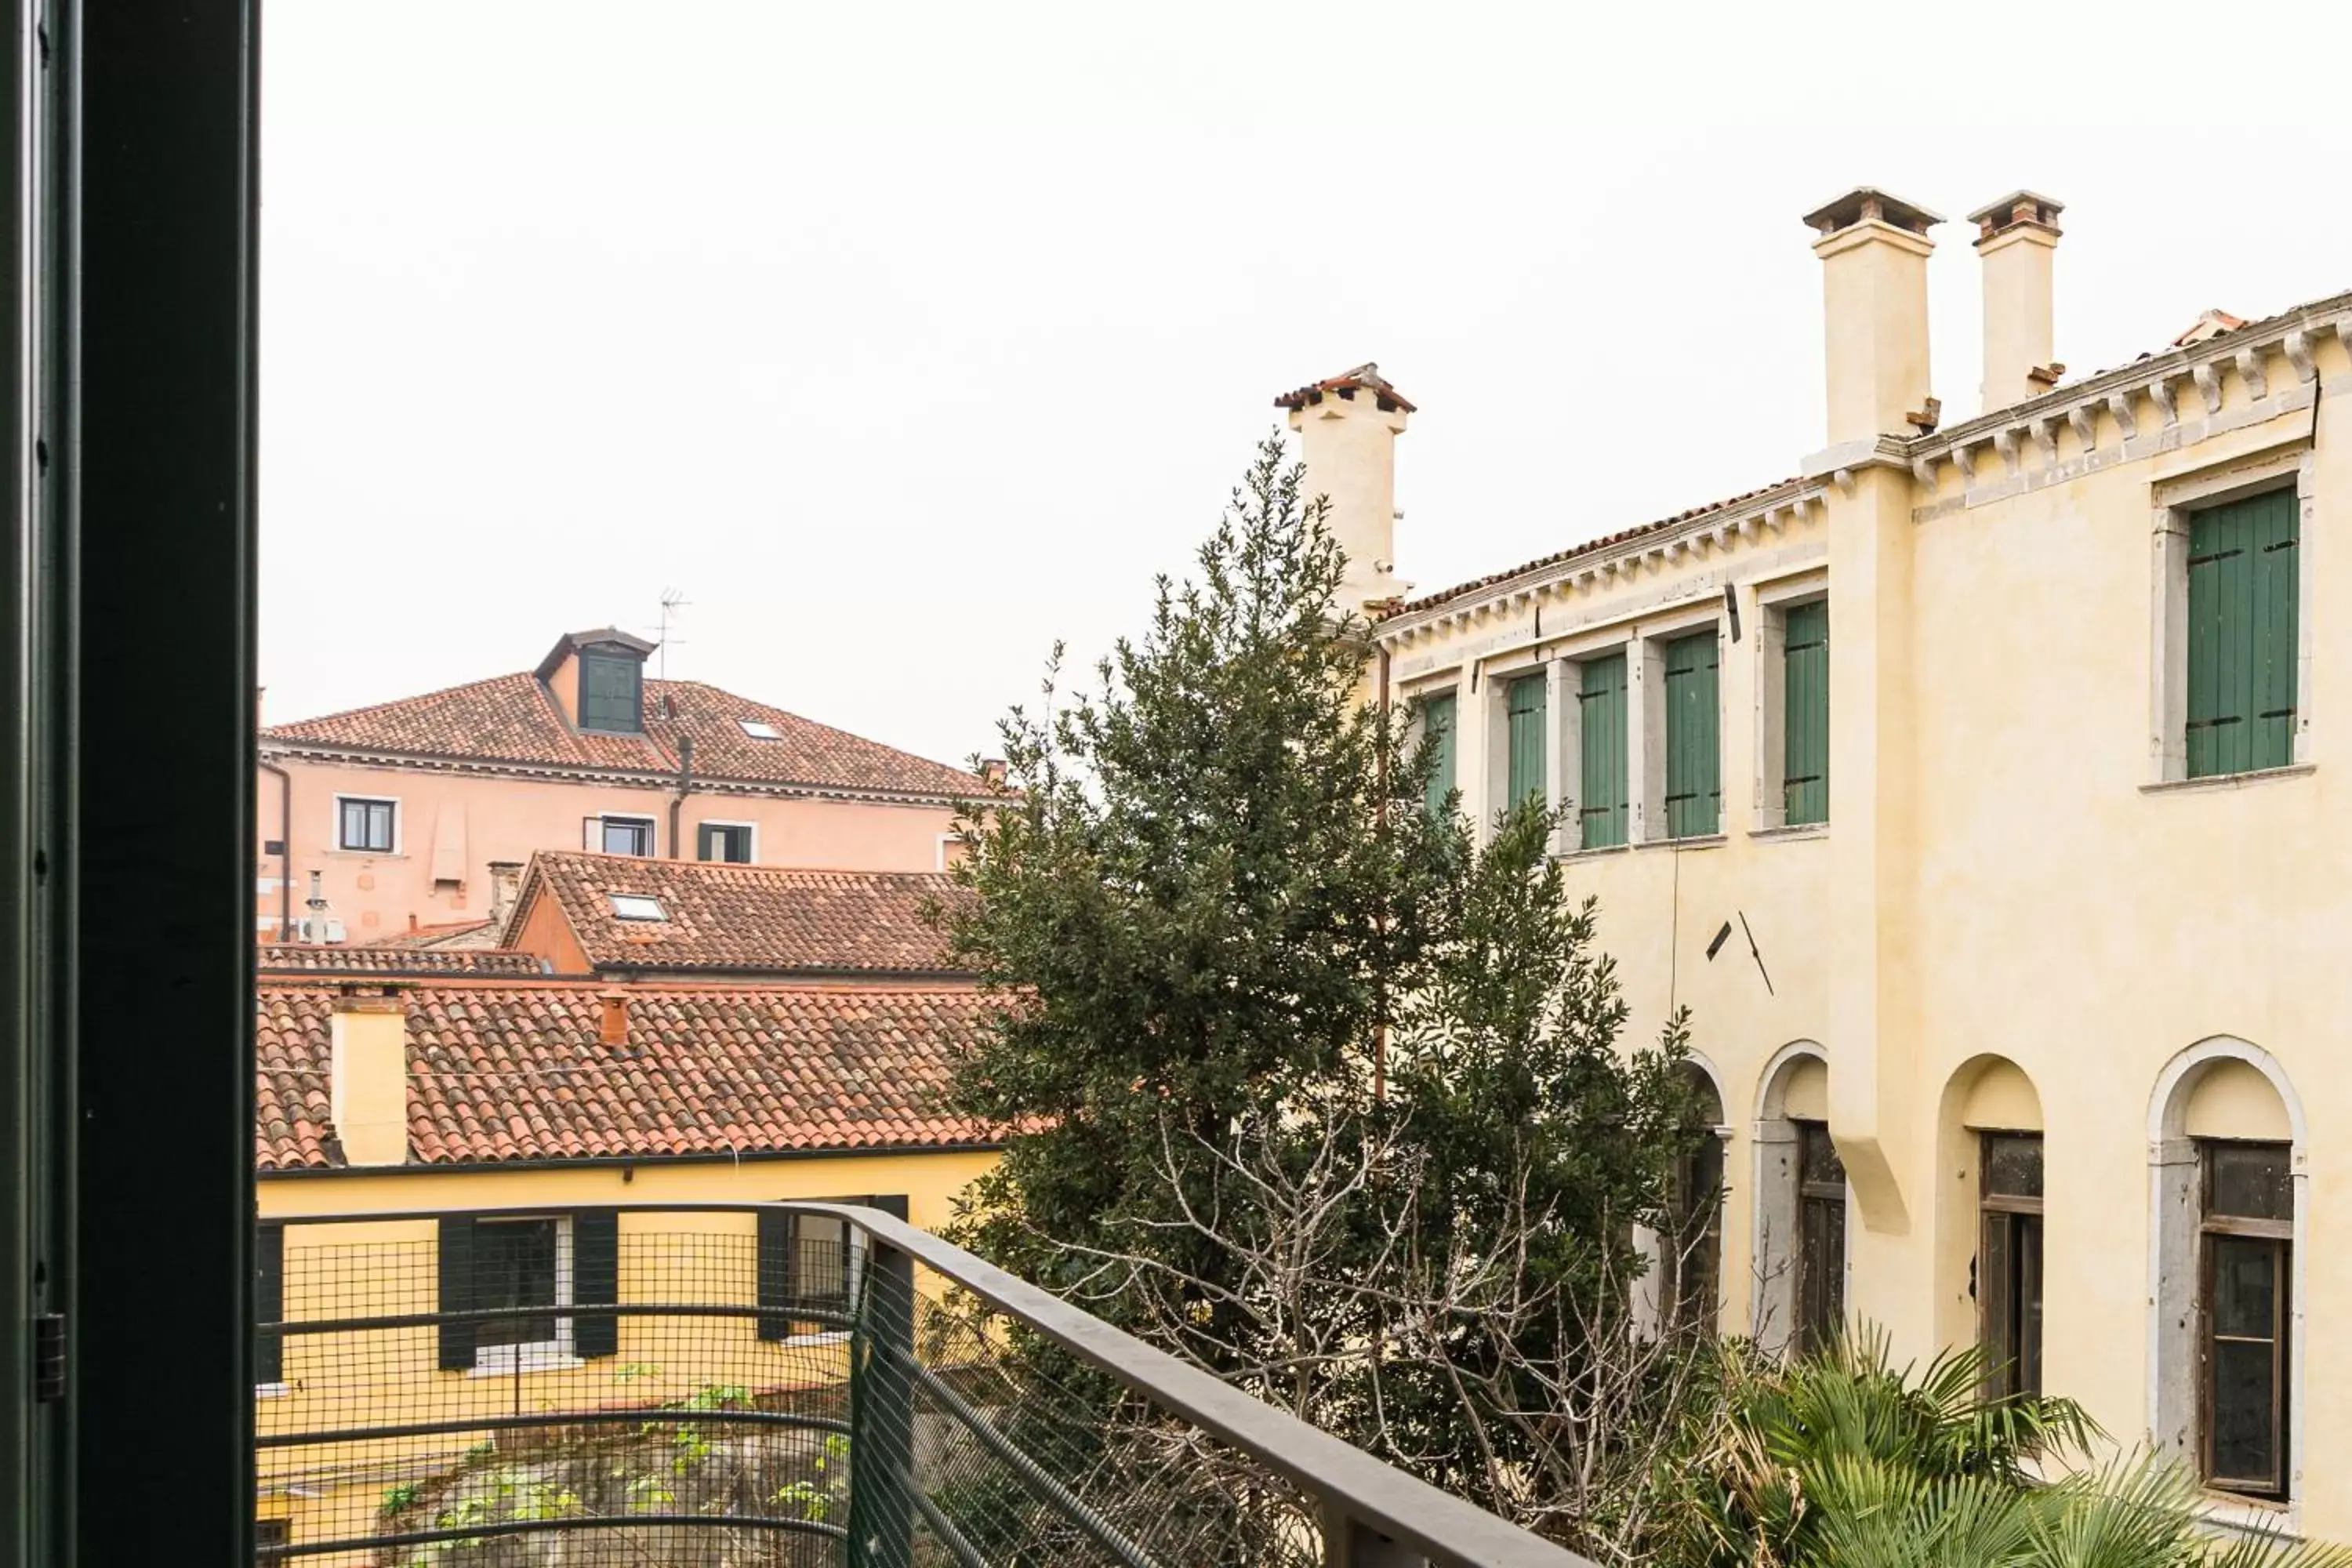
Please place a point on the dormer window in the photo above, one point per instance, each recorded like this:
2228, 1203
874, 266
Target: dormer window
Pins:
610, 695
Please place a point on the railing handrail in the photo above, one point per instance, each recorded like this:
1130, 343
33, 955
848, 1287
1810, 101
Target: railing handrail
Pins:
1401, 1505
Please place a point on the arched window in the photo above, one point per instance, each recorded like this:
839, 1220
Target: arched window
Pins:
2226, 1149
1989, 1245
1691, 1250
1799, 1254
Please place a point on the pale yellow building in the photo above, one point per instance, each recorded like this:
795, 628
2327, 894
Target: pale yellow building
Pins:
1974, 790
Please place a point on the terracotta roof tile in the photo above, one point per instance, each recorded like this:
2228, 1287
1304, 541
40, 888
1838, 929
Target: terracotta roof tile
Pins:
521, 1073
743, 917
1589, 547
514, 718
341, 959
449, 934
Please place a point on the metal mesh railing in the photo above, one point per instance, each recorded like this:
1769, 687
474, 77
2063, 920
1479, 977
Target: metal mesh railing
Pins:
767, 1387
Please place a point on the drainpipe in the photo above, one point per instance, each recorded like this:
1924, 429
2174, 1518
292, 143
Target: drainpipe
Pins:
685, 785
1381, 1029
285, 848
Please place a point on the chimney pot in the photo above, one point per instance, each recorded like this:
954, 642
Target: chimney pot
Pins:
2017, 238
614, 1029
1347, 442
1874, 249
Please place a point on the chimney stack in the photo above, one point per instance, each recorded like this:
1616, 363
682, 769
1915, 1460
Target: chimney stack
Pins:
1347, 429
2018, 238
506, 886
367, 1075
993, 770
614, 1028
1873, 250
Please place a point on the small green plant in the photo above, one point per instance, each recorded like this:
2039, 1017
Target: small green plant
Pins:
398, 1500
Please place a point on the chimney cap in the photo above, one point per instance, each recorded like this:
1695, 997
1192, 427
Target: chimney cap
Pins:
2017, 208
1868, 203
1365, 377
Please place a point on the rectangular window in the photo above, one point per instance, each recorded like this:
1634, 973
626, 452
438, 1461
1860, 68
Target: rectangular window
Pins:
1821, 1238
1600, 745
1526, 711
1437, 734
728, 841
271, 1537
2009, 1263
2249, 1229
364, 825
516, 1269
1805, 713
609, 693
622, 835
2242, 635
1694, 766
810, 1264
269, 1302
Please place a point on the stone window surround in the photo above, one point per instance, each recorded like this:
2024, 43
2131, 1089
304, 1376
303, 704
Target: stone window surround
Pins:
1771, 603
751, 827
544, 1355
1773, 1217
2175, 1199
399, 827
1648, 1309
2174, 502
1642, 642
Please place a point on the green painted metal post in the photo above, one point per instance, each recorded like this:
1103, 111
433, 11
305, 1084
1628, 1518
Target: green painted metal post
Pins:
882, 1414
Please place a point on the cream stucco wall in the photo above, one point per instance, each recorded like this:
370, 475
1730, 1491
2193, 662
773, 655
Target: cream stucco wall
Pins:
504, 819
2011, 911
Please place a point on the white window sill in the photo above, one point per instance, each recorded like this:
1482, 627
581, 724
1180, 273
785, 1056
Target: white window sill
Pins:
2242, 1515
1595, 853
366, 855
2229, 781
826, 1337
1694, 841
272, 1390
505, 1361
1790, 831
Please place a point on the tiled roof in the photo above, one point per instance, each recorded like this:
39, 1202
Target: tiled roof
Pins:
741, 917
514, 718
1363, 378
282, 957
1589, 547
449, 934
500, 1074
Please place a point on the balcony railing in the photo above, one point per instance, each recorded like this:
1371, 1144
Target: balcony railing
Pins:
782, 1386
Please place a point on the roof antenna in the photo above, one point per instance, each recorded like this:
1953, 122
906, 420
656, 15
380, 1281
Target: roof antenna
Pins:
672, 601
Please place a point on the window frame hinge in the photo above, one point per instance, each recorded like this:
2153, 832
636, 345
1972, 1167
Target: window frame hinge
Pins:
48, 1358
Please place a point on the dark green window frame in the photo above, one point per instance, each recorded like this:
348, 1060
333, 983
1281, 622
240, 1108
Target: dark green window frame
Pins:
2243, 632
1439, 733
1694, 736
612, 692
1602, 793
1805, 713
727, 842
1526, 711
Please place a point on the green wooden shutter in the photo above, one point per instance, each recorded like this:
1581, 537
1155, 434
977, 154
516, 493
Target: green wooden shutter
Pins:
595, 1282
779, 1271
456, 1264
609, 693
269, 1300
1526, 717
1601, 742
1694, 771
2242, 635
1437, 733
1805, 713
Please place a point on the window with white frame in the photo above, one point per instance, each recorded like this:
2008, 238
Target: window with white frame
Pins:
522, 1276
2233, 622
730, 842
621, 835
366, 825
1792, 708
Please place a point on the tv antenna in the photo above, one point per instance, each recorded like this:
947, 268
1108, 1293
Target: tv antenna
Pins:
672, 601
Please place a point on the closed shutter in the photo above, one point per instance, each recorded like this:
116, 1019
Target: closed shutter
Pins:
707, 845
595, 1282
1525, 703
608, 693
1601, 739
1437, 734
2242, 635
1805, 713
1693, 773
269, 1302
778, 1274
456, 1269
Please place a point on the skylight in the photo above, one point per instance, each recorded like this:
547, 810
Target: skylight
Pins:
637, 907
759, 728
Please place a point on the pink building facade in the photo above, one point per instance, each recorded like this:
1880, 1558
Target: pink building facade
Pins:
420, 812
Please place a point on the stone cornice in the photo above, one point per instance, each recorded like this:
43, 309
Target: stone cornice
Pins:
623, 778
1731, 526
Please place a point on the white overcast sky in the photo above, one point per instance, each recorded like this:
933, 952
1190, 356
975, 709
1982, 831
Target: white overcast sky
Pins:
903, 339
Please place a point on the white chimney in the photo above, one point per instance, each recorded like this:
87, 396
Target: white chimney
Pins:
367, 1075
2018, 238
1873, 250
1347, 429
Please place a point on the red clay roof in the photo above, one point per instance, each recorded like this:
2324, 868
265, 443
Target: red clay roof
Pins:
500, 1074
1363, 378
284, 957
514, 718
1589, 547
449, 934
743, 917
